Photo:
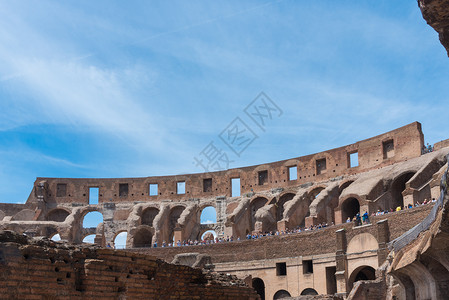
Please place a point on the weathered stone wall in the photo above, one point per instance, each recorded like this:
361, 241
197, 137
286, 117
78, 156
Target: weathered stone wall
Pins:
305, 243
45, 270
406, 143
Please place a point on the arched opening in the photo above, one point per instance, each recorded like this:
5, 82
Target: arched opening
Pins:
259, 286
350, 208
309, 292
209, 235
90, 239
281, 294
120, 240
208, 215
280, 205
314, 193
92, 219
345, 185
362, 273
142, 238
175, 213
57, 215
254, 207
397, 187
148, 216
56, 237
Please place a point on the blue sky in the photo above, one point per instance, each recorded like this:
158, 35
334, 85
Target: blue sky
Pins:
115, 89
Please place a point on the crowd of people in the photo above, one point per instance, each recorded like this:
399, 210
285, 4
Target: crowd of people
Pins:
358, 219
427, 149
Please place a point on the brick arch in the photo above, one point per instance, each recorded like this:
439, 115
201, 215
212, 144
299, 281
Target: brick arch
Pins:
349, 206
284, 197
117, 233
24, 215
57, 214
142, 237
148, 215
255, 204
364, 272
345, 184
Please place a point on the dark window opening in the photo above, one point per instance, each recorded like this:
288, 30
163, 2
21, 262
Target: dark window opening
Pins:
61, 190
388, 149
307, 267
207, 185
263, 177
320, 166
281, 269
123, 190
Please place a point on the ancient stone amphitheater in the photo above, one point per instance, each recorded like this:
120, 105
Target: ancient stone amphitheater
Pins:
287, 230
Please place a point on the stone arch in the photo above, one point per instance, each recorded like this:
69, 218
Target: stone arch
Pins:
204, 235
406, 283
255, 204
280, 205
55, 237
91, 217
24, 215
309, 292
438, 271
57, 215
281, 294
397, 187
349, 208
361, 273
175, 213
118, 239
207, 209
143, 237
314, 192
88, 238
148, 215
259, 286
344, 185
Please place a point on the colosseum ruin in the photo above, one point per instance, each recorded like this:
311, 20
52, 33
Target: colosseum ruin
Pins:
304, 207
290, 228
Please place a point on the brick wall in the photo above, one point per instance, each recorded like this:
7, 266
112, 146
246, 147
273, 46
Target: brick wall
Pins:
39, 269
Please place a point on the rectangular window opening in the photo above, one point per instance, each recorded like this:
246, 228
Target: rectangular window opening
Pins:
180, 187
320, 166
353, 159
235, 187
281, 269
123, 190
292, 173
94, 193
207, 185
263, 177
61, 190
307, 267
388, 149
153, 189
